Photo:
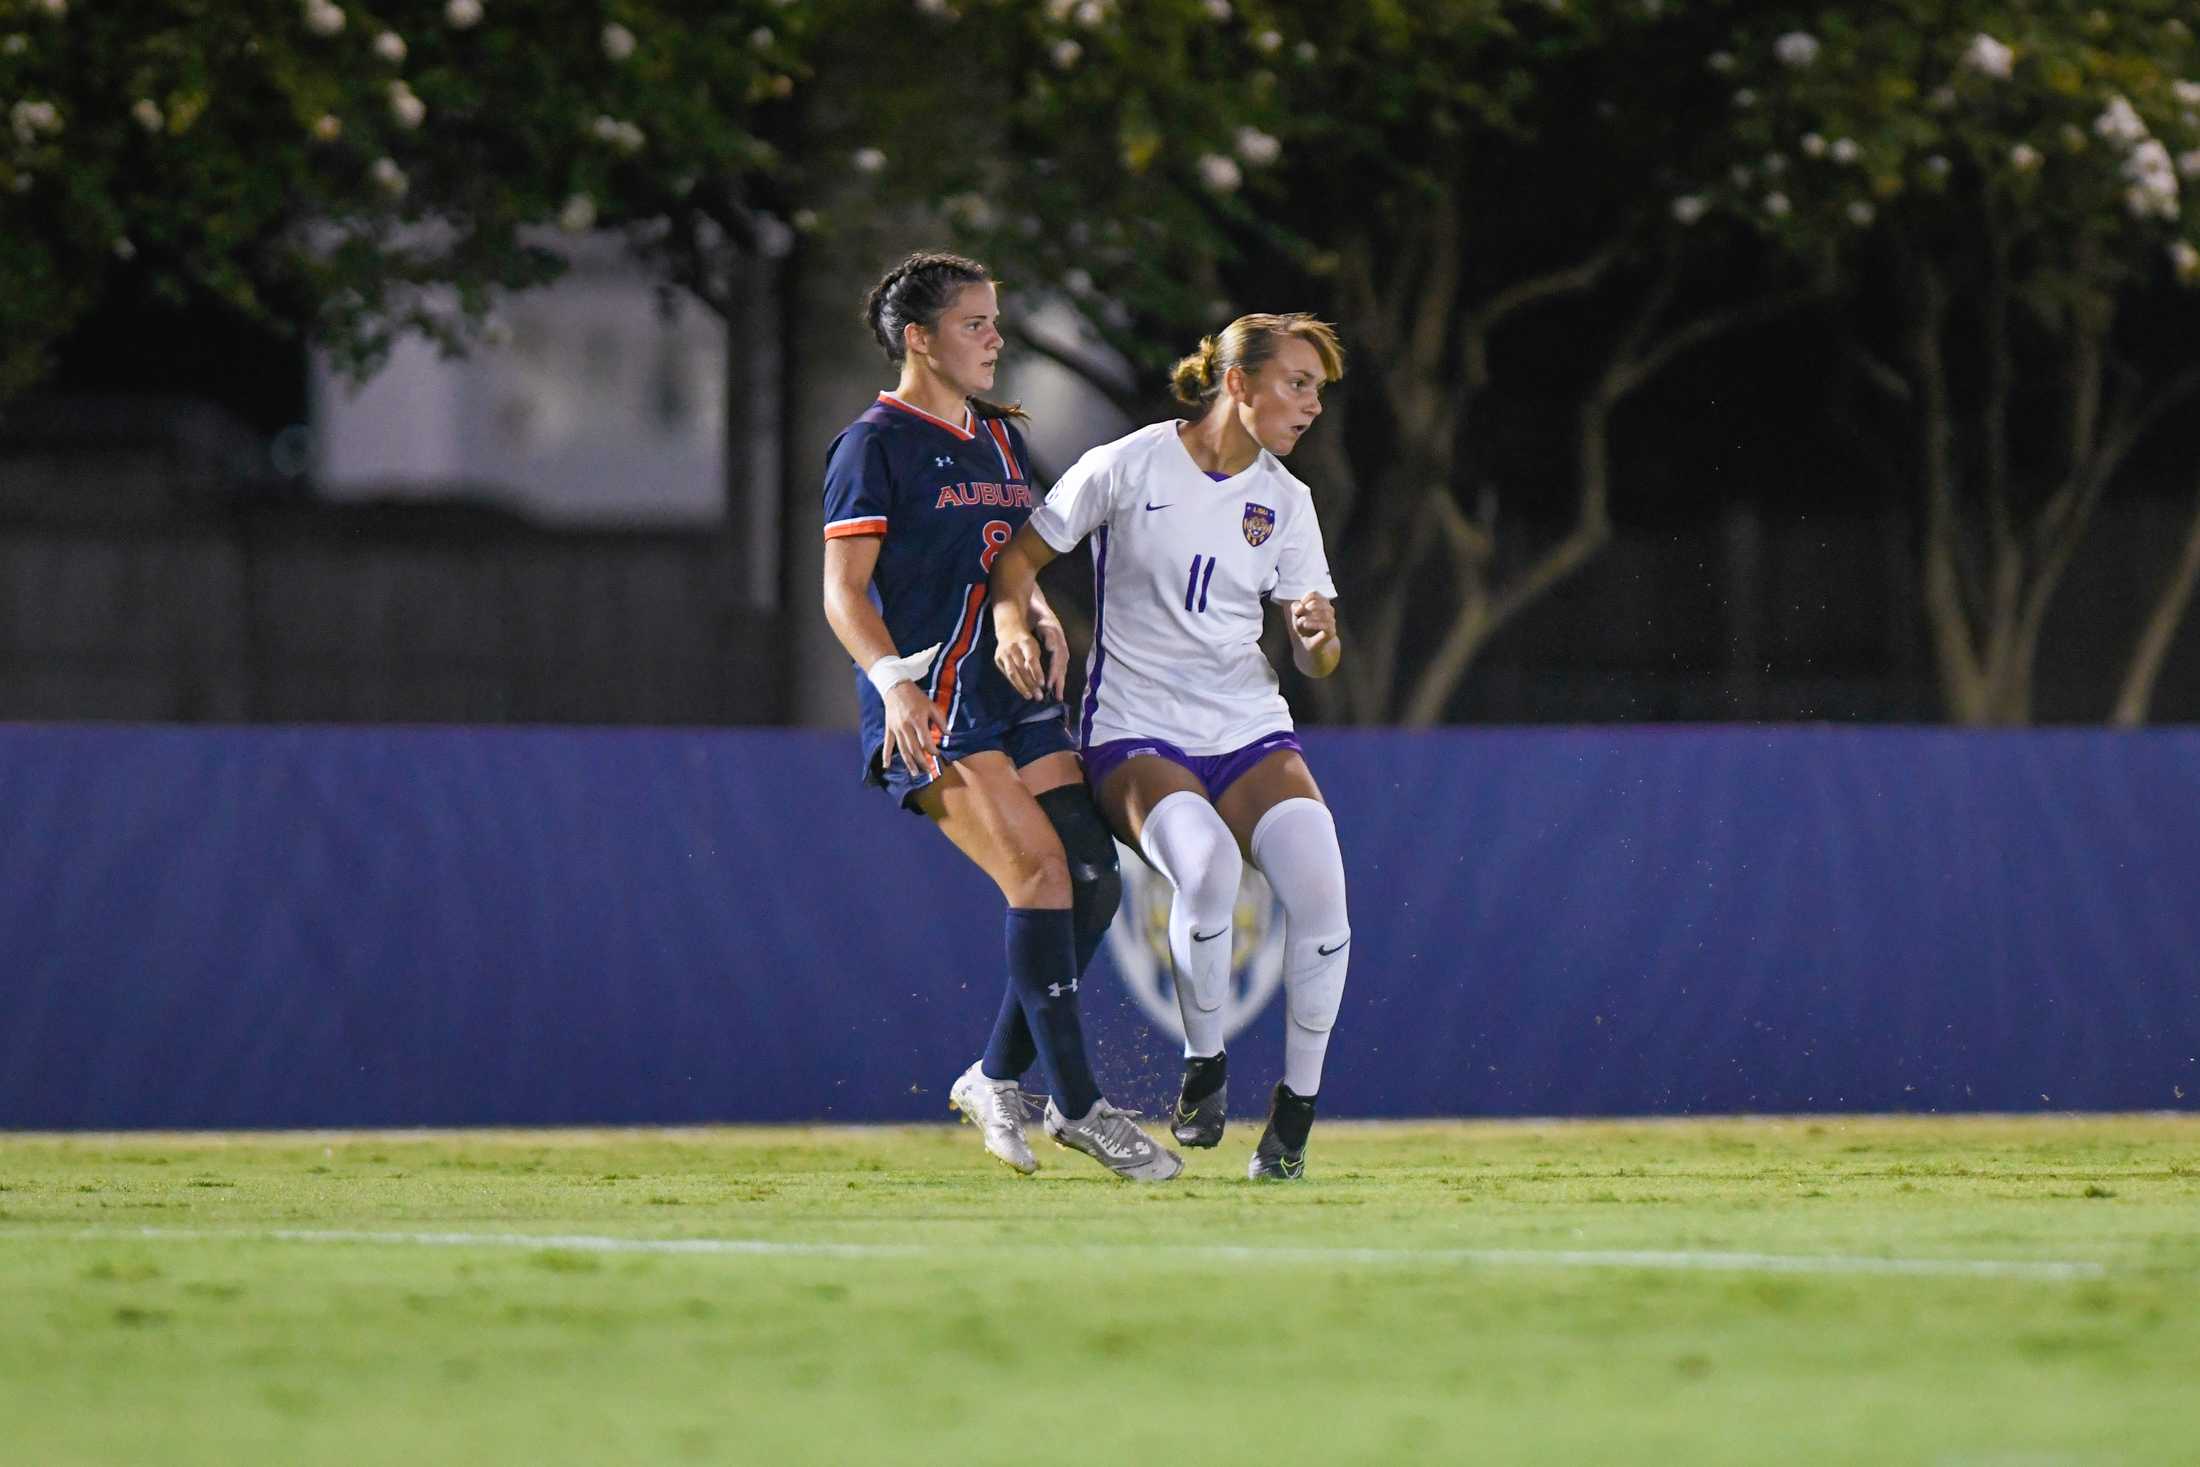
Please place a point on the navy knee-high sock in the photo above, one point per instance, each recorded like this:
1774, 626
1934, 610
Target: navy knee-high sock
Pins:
1042, 972
1010, 1051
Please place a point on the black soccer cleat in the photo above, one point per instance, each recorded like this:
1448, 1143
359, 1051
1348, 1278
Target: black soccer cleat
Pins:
1202, 1102
1275, 1158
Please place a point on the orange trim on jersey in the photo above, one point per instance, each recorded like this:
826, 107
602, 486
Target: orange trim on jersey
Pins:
999, 430
967, 638
965, 432
869, 525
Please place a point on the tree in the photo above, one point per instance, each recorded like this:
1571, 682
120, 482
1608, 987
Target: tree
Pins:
1996, 183
361, 170
1169, 164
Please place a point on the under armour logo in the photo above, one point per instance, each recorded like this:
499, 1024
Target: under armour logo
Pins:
945, 460
1056, 990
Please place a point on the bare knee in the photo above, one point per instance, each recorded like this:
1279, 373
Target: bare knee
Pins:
1036, 878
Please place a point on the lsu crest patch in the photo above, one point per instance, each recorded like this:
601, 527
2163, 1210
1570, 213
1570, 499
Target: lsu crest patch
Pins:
1260, 523
1138, 942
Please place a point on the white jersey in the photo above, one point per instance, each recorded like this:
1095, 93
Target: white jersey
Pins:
1180, 566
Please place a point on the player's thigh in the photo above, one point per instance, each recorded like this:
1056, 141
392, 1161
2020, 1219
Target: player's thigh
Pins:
1051, 772
1281, 776
981, 806
1131, 790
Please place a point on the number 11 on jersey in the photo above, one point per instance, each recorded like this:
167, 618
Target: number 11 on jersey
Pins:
1195, 587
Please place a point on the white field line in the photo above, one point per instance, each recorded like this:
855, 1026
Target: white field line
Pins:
2044, 1270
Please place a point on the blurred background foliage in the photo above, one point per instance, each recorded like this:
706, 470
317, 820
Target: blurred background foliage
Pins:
1961, 234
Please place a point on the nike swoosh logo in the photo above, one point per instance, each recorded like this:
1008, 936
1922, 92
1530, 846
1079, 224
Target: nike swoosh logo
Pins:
1328, 952
1152, 507
1210, 937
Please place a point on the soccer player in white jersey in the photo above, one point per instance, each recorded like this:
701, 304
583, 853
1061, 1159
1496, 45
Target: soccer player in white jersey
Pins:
1187, 739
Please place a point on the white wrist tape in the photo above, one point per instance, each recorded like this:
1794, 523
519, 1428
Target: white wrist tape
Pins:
890, 672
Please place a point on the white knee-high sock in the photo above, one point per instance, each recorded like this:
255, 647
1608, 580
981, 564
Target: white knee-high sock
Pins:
1295, 846
1187, 842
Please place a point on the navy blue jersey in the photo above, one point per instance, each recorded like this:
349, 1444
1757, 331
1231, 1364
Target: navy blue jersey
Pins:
946, 497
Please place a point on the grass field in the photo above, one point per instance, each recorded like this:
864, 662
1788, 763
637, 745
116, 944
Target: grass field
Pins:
2013, 1292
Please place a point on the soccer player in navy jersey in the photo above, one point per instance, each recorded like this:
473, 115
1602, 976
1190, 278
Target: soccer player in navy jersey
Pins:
1187, 738
921, 493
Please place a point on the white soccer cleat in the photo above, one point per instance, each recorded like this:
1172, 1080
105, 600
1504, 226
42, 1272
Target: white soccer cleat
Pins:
997, 1108
1108, 1137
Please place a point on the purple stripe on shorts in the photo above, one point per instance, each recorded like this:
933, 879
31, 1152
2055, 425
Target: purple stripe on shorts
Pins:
1099, 646
1216, 771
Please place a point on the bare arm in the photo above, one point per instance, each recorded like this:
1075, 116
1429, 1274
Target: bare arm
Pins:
1053, 640
1015, 598
1315, 645
910, 717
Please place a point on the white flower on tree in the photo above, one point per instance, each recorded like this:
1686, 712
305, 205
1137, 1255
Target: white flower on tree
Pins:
1219, 173
1745, 99
624, 136
54, 8
32, 118
1813, 145
324, 19
328, 127
579, 214
1845, 150
389, 177
618, 42
1937, 166
1689, 208
1861, 213
1777, 205
1092, 15
2153, 177
147, 113
408, 109
1797, 49
124, 249
2024, 158
1079, 282
1268, 43
1218, 10
2185, 259
2120, 122
1989, 57
390, 46
2186, 92
761, 38
2188, 163
869, 160
462, 15
1065, 54
1721, 62
1775, 164
1258, 148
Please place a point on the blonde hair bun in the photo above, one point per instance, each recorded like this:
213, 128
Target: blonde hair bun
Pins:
1248, 342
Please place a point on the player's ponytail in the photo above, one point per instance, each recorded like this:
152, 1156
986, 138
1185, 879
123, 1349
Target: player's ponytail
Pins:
1248, 342
917, 292
1192, 379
